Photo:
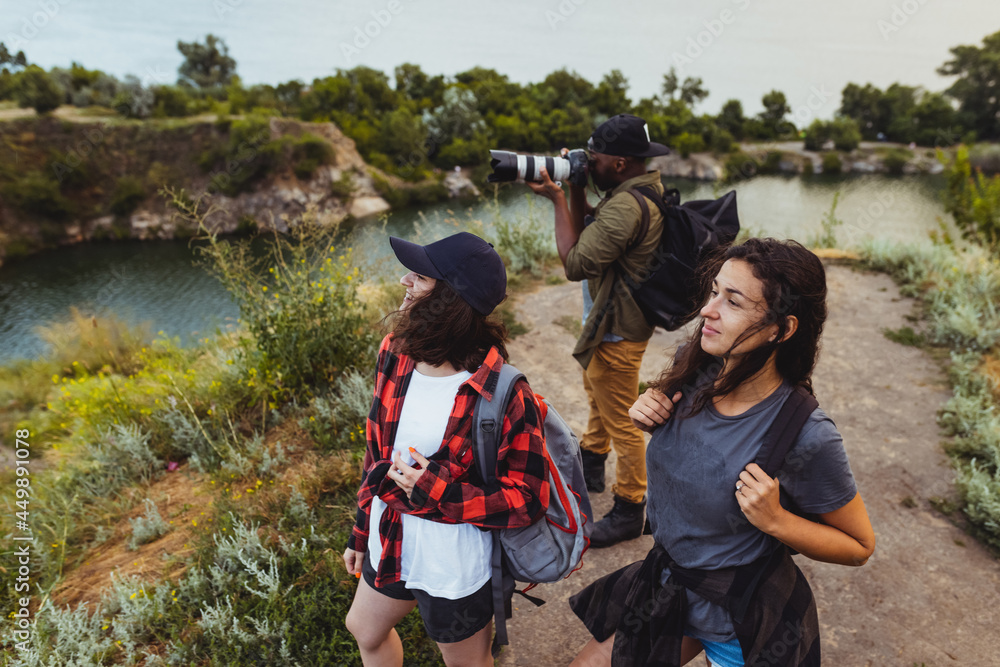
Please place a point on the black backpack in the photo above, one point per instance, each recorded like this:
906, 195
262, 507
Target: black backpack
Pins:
666, 290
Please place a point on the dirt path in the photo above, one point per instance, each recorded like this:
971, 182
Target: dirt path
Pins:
929, 596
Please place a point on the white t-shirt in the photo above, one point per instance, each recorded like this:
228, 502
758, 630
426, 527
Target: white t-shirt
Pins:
446, 560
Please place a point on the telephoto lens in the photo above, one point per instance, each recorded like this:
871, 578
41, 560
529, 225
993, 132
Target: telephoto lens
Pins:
510, 167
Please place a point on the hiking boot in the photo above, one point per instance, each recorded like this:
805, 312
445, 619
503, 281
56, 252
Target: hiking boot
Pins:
593, 470
623, 522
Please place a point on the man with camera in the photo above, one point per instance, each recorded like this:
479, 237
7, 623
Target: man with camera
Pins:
600, 246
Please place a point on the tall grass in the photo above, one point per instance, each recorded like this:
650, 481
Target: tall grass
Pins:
526, 243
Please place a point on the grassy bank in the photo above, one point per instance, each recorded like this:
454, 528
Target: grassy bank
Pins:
959, 290
190, 505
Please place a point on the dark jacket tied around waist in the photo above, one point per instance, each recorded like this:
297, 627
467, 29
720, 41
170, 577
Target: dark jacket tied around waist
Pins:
773, 610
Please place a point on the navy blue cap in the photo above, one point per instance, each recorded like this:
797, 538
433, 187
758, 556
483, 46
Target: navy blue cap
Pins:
466, 262
625, 135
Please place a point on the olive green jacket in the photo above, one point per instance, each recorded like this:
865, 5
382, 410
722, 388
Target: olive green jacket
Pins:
601, 245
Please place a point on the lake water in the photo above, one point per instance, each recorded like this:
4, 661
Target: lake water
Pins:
157, 281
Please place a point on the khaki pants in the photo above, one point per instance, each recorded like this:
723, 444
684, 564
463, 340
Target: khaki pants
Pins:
612, 384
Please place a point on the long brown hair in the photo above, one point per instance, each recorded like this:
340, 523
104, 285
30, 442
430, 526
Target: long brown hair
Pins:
441, 327
794, 283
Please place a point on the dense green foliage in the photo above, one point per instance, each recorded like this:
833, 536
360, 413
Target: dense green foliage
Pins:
35, 88
415, 121
974, 201
843, 132
903, 114
978, 71
206, 65
298, 301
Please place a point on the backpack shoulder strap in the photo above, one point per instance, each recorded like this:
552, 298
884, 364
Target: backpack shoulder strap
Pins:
487, 420
643, 221
785, 428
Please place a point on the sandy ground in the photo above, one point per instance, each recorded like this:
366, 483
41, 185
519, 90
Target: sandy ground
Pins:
930, 596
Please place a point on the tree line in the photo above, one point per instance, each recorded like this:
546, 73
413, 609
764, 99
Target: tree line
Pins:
414, 121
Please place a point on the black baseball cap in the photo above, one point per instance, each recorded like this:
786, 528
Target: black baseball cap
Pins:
625, 135
466, 262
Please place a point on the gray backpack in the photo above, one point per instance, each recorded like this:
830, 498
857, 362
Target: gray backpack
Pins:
552, 547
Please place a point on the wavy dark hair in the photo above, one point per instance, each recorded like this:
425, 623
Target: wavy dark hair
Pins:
441, 327
794, 283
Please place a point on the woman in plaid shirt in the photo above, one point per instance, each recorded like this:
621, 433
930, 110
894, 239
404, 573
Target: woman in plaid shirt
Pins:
422, 506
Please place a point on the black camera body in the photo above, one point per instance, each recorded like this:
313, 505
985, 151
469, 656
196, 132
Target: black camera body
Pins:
513, 168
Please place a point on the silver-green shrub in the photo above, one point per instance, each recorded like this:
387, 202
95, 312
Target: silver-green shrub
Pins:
121, 456
524, 241
960, 288
147, 527
63, 637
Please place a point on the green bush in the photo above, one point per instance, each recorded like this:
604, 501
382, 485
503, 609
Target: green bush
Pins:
337, 420
34, 87
974, 201
462, 152
845, 134
249, 156
740, 166
832, 163
687, 143
298, 299
772, 160
38, 193
723, 142
816, 135
308, 153
410, 195
896, 159
171, 102
525, 243
129, 193
147, 527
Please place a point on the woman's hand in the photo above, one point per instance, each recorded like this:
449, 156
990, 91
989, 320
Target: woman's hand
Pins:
758, 496
844, 536
652, 409
353, 560
404, 475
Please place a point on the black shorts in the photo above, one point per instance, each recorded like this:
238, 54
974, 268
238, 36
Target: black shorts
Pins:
447, 621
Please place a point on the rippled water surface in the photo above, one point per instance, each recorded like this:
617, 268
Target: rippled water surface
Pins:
158, 281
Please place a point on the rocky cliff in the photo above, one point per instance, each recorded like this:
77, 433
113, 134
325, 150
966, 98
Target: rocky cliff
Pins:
66, 182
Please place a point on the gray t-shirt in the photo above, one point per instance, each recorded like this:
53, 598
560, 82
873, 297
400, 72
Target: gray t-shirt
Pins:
693, 465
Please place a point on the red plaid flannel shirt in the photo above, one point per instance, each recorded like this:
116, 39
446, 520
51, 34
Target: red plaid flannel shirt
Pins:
451, 489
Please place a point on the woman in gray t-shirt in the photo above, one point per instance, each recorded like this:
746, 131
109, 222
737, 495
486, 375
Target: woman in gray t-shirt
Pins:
715, 514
